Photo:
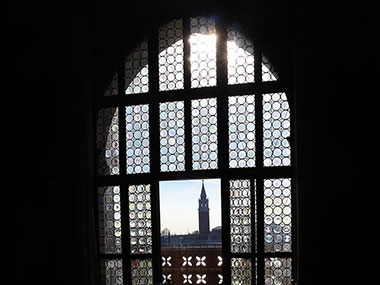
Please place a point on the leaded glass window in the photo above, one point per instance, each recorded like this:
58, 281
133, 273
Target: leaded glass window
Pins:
172, 136
137, 69
203, 51
170, 58
204, 103
204, 133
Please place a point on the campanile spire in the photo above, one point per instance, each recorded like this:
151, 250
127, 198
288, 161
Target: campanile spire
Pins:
203, 212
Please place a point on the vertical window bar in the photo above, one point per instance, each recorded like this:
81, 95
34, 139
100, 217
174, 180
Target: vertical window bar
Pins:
222, 108
258, 110
186, 52
188, 137
153, 103
295, 232
126, 231
294, 192
221, 52
187, 101
260, 230
259, 165
156, 238
153, 52
226, 248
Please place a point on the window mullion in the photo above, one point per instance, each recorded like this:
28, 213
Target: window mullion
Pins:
260, 230
223, 163
125, 238
125, 231
154, 137
186, 53
259, 166
222, 98
187, 99
258, 110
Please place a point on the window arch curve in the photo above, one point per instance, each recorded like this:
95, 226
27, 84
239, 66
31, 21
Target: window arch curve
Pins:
196, 100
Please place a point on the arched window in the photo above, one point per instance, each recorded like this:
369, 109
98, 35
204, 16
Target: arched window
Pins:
196, 100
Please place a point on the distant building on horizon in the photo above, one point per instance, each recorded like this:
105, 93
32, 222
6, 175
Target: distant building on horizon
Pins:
203, 212
203, 237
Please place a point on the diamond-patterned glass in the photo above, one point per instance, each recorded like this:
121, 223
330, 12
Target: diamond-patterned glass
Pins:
170, 58
276, 129
107, 141
137, 138
203, 52
137, 70
241, 131
172, 136
204, 134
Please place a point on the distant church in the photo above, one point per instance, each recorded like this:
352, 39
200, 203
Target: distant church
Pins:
203, 212
203, 237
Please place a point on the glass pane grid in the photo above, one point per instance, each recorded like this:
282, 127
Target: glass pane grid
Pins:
267, 70
204, 134
107, 141
276, 128
203, 52
172, 136
137, 69
276, 152
241, 271
109, 219
142, 271
111, 271
240, 58
137, 139
278, 271
241, 131
140, 218
277, 215
240, 216
170, 59
113, 87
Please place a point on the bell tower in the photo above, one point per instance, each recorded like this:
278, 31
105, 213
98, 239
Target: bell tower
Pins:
203, 212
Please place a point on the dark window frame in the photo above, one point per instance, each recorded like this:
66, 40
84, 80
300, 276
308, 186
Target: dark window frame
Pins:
256, 174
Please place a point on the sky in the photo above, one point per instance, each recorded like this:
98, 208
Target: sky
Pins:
179, 204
